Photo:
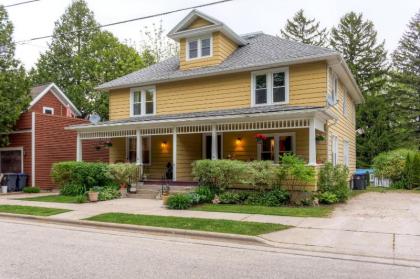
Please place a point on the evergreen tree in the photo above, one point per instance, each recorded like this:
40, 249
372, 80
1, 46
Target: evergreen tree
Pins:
405, 88
14, 88
356, 39
81, 56
304, 30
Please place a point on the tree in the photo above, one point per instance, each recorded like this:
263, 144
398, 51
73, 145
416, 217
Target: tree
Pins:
155, 46
304, 30
405, 88
81, 56
356, 39
14, 87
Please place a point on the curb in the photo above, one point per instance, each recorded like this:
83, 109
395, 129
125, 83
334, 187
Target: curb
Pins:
143, 229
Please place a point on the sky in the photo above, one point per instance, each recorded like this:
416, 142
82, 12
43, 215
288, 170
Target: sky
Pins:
243, 16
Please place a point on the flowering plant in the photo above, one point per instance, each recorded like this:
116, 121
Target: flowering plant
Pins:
260, 137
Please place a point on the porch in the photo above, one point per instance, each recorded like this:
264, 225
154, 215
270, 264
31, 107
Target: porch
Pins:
159, 143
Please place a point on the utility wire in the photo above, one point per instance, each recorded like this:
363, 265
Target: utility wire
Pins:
21, 3
127, 21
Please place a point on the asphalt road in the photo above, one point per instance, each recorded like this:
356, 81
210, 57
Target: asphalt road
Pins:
30, 250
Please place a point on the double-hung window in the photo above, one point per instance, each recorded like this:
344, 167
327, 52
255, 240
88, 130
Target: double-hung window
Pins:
333, 87
143, 101
11, 160
198, 48
334, 150
346, 153
270, 87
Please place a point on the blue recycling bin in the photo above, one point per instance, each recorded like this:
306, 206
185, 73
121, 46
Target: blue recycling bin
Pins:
22, 182
11, 181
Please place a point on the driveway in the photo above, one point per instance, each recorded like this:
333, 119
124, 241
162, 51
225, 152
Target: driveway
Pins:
372, 224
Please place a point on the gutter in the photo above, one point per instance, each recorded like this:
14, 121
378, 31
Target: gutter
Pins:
324, 111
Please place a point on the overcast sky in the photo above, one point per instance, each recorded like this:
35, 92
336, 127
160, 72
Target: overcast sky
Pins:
243, 16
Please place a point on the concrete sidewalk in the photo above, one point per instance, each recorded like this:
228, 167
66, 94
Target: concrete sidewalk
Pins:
373, 224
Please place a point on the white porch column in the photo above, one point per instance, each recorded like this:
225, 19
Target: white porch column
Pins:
79, 150
214, 147
312, 142
139, 152
174, 148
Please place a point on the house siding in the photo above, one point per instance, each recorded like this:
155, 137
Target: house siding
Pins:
49, 100
199, 22
307, 86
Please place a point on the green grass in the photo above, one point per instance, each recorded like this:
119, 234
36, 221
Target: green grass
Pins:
53, 198
31, 210
198, 224
318, 211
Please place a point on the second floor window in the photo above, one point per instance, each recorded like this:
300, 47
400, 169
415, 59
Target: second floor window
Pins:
333, 87
270, 87
143, 101
198, 48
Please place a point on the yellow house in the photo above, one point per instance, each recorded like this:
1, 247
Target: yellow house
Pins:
223, 90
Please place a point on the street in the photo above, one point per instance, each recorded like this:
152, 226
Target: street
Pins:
36, 250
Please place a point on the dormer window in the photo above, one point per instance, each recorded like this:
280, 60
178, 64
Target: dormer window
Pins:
199, 48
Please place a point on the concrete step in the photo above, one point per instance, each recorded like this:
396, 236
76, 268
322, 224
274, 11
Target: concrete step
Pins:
150, 196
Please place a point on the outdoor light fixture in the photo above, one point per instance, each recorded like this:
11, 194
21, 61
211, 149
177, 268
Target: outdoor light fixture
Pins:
238, 140
164, 144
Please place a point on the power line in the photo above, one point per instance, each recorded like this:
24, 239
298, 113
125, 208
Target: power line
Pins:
127, 21
21, 3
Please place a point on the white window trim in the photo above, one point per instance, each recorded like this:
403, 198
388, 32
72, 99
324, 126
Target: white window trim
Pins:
198, 39
127, 148
332, 78
14, 149
276, 143
334, 150
143, 100
346, 153
204, 144
269, 75
44, 109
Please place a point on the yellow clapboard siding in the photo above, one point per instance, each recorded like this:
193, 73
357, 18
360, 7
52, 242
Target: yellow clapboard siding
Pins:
189, 149
119, 104
199, 22
117, 151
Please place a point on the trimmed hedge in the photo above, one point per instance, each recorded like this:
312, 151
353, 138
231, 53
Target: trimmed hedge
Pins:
76, 178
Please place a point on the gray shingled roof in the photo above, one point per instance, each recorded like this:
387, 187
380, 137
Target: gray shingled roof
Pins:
35, 91
261, 50
254, 111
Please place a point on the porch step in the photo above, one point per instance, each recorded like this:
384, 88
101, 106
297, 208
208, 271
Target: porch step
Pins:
152, 191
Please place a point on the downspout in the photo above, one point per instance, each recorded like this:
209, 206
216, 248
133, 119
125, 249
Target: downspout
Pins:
33, 151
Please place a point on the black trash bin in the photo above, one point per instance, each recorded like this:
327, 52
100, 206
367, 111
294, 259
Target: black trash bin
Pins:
11, 181
21, 181
359, 181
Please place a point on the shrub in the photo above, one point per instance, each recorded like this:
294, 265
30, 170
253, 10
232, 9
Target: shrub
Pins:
108, 193
276, 197
179, 201
391, 164
195, 198
206, 193
220, 174
123, 173
295, 171
328, 198
229, 198
72, 189
80, 175
334, 179
411, 174
31, 190
81, 199
261, 174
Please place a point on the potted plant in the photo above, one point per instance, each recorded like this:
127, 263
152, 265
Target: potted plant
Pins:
121, 173
260, 138
3, 187
93, 194
165, 194
320, 138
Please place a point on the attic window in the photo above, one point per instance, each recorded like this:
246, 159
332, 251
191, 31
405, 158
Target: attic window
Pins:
47, 110
198, 48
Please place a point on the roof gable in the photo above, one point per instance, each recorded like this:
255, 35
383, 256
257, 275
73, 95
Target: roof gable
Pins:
40, 91
202, 24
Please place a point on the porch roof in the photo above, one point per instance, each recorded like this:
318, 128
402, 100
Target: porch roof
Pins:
258, 111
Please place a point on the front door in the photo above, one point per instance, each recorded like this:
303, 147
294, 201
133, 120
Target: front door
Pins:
207, 146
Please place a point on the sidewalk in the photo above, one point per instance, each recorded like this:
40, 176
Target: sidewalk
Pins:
372, 224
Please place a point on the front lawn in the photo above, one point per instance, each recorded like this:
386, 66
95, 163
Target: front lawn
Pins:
54, 198
199, 224
318, 211
31, 210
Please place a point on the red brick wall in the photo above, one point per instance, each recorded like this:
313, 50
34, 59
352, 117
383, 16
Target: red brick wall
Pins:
24, 122
55, 144
49, 100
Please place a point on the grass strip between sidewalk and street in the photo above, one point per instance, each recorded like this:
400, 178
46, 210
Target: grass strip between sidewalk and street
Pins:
316, 211
198, 224
31, 210
53, 198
